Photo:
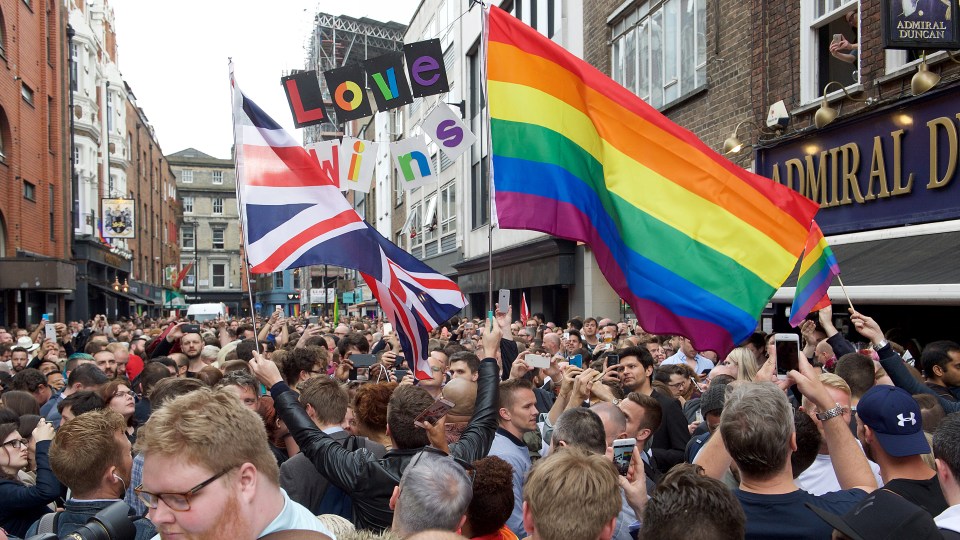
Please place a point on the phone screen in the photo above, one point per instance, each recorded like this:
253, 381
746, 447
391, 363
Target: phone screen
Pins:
612, 359
623, 454
788, 356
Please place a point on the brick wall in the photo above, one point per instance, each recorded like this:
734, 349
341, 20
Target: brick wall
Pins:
712, 114
32, 134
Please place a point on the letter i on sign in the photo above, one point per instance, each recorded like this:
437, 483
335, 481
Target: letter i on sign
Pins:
354, 174
359, 157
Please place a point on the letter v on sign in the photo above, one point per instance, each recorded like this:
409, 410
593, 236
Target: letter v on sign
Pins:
388, 81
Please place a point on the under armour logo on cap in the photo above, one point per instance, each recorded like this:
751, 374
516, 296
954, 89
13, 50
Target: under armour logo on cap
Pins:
904, 419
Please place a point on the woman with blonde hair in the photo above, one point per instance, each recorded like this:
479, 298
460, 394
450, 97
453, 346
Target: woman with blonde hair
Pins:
745, 361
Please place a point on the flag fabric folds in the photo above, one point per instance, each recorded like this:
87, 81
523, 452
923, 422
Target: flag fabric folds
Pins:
294, 215
524, 310
817, 269
695, 244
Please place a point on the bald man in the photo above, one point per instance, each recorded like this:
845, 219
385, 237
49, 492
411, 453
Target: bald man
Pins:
614, 421
463, 393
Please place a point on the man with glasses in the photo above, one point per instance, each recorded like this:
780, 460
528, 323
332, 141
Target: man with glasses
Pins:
91, 456
303, 363
370, 481
433, 494
207, 471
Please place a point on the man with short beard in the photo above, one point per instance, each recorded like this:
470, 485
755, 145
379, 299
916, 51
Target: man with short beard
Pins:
207, 444
107, 363
191, 345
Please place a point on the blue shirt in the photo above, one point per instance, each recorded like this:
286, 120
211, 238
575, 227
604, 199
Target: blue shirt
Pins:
512, 450
703, 363
786, 516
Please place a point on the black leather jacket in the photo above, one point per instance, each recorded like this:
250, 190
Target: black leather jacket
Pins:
368, 480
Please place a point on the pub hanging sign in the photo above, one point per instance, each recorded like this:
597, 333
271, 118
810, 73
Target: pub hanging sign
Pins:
928, 25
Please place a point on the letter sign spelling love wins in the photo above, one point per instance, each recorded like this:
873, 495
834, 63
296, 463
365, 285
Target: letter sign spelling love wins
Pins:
346, 86
447, 130
305, 99
425, 65
388, 81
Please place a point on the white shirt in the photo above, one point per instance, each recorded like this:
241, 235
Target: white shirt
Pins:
949, 519
820, 477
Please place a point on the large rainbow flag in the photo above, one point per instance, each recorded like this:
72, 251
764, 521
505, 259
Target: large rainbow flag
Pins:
817, 270
696, 245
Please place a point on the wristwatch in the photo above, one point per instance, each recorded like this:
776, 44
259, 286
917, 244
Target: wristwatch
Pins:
881, 344
830, 413
616, 402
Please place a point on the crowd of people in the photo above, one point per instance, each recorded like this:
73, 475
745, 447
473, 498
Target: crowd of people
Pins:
230, 429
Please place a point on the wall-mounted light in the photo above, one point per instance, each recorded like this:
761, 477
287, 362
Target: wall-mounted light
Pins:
924, 79
116, 283
733, 144
826, 114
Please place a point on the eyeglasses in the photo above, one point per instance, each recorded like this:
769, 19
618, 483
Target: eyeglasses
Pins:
16, 443
122, 393
178, 502
677, 385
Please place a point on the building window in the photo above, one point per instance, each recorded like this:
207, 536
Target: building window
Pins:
76, 155
188, 239
188, 204
218, 177
415, 226
448, 208
29, 191
278, 280
74, 66
296, 279
26, 92
475, 97
51, 116
186, 176
398, 189
51, 214
480, 191
820, 23
190, 279
401, 240
3, 35
218, 274
218, 205
109, 111
217, 237
646, 50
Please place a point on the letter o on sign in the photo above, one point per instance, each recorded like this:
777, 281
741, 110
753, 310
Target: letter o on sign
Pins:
355, 92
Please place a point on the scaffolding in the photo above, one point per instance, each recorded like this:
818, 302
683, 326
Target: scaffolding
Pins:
336, 41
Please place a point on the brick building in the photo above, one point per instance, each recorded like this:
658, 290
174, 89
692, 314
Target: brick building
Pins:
882, 171
34, 187
115, 155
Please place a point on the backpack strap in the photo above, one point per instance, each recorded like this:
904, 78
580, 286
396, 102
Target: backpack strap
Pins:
48, 523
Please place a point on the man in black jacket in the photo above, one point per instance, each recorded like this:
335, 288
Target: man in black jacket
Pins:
370, 481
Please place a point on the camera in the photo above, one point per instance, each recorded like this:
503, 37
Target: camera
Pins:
111, 523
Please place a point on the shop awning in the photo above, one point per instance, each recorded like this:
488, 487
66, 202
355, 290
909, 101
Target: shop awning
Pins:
917, 264
119, 294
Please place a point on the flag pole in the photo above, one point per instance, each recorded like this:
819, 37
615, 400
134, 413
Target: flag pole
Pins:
484, 123
844, 289
238, 168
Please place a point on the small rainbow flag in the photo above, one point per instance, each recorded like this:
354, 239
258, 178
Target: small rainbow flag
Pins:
696, 245
817, 269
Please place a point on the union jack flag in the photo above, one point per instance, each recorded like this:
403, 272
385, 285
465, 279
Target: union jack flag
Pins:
294, 215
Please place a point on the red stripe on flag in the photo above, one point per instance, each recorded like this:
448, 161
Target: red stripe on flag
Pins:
282, 166
318, 229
